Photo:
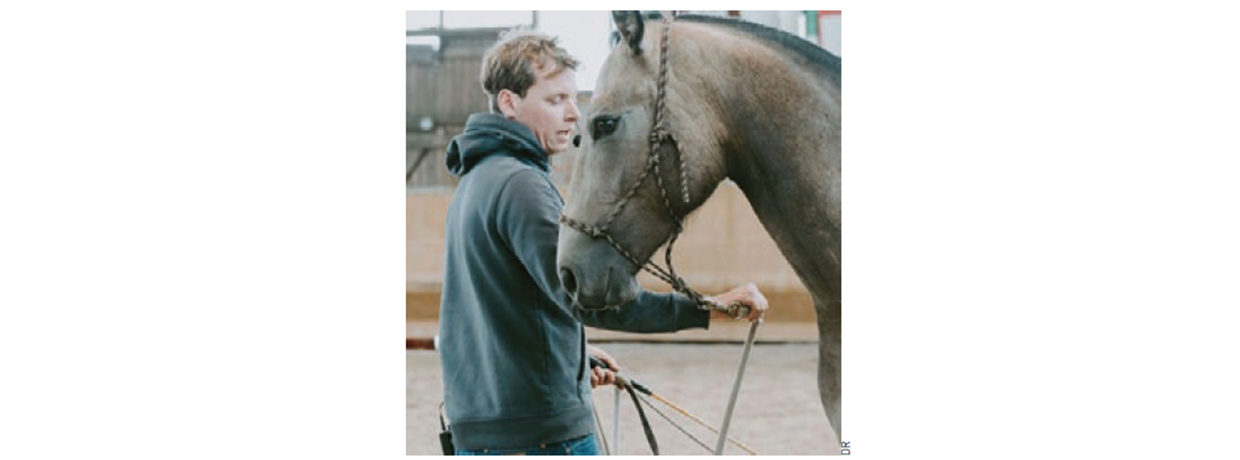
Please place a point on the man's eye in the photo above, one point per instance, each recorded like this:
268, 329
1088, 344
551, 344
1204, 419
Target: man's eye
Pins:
604, 125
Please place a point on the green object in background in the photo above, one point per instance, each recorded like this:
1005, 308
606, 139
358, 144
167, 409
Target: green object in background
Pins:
811, 24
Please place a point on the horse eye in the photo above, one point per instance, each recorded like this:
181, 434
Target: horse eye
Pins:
604, 125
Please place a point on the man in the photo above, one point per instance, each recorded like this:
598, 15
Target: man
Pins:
514, 351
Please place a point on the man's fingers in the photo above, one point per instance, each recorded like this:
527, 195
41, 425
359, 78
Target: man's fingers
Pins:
757, 303
752, 305
604, 357
598, 376
755, 311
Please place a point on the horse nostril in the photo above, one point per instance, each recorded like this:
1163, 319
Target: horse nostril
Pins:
569, 281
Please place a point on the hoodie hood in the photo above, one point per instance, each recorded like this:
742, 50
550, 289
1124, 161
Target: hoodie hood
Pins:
488, 134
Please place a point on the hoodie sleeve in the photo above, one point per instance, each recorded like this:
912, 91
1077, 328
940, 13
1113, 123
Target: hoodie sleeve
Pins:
528, 216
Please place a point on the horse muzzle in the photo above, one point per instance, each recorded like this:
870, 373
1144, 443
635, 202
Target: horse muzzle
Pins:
593, 274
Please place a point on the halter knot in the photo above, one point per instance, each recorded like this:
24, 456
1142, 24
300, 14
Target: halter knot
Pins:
658, 135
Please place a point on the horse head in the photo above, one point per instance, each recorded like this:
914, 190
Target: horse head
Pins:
616, 188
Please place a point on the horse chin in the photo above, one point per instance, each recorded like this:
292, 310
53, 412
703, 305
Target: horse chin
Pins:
617, 288
623, 290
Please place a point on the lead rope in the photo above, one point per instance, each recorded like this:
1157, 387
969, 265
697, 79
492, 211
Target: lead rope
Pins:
658, 136
674, 424
599, 423
736, 387
615, 418
641, 414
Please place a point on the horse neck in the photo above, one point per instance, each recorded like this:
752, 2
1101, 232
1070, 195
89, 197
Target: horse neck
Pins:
782, 150
794, 204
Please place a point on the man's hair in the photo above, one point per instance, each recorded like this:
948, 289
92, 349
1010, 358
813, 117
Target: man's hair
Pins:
514, 61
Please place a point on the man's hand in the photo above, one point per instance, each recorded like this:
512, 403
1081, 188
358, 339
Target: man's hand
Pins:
747, 295
599, 375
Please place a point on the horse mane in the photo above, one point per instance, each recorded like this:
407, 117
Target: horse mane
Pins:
812, 53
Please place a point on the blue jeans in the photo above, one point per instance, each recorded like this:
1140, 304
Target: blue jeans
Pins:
581, 446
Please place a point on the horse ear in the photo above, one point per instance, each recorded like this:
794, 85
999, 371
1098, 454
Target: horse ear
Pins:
631, 27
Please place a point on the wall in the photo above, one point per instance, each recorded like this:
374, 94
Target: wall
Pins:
724, 245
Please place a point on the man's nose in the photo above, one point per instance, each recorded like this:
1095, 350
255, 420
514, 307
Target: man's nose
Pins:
573, 113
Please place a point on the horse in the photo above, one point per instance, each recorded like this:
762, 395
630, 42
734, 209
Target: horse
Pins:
706, 99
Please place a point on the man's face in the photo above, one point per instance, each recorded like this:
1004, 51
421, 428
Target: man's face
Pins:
549, 109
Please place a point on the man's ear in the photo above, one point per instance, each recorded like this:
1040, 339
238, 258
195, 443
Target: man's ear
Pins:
631, 28
507, 103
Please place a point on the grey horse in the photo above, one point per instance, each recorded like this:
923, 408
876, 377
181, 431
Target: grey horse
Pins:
742, 101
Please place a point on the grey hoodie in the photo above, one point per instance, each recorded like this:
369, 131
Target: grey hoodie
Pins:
512, 344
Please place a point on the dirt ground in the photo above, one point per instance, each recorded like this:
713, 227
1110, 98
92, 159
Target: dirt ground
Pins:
778, 411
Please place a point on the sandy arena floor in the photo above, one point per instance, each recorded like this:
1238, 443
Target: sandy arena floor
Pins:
778, 412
